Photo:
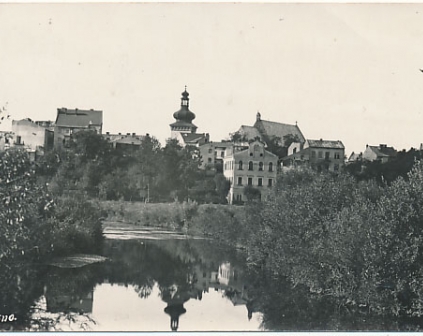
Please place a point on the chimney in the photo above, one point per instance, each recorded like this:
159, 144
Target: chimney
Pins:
133, 134
382, 145
107, 133
258, 116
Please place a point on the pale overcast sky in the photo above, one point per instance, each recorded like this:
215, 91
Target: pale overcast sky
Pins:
345, 72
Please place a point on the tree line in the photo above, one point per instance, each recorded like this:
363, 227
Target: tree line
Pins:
148, 172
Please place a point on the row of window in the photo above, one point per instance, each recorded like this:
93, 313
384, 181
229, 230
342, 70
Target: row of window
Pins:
259, 181
230, 166
337, 155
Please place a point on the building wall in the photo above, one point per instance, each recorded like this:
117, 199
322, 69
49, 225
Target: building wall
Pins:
331, 159
28, 134
62, 134
369, 154
250, 174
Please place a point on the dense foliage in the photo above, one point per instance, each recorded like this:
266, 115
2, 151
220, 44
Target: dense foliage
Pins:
144, 173
356, 243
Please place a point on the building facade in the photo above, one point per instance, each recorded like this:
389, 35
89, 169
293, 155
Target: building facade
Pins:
322, 155
252, 166
71, 121
33, 136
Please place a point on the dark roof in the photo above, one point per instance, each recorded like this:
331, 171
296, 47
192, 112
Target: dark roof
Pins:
383, 151
326, 143
249, 132
193, 137
78, 118
276, 129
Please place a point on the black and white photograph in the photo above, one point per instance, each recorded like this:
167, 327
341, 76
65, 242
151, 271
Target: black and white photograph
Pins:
211, 167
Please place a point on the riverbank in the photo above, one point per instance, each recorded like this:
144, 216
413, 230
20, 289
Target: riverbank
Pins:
222, 222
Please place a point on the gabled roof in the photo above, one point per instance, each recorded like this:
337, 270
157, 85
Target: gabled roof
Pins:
276, 129
326, 143
383, 151
78, 118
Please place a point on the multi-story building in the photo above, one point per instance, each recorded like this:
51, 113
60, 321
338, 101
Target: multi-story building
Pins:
251, 166
34, 136
319, 154
213, 153
71, 121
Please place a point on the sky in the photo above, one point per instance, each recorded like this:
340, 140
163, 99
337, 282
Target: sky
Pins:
348, 72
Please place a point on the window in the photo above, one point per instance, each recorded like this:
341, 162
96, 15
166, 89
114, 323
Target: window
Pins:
250, 181
240, 165
210, 150
270, 166
337, 156
239, 198
239, 180
270, 183
327, 155
336, 167
250, 165
294, 151
18, 139
260, 182
251, 154
313, 154
222, 154
260, 166
320, 155
209, 160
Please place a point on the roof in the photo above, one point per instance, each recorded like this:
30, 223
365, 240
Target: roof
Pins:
326, 143
78, 118
249, 132
193, 137
383, 151
276, 129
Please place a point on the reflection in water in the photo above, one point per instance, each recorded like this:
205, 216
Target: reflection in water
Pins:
157, 285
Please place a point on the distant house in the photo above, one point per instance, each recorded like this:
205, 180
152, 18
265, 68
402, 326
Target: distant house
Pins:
354, 157
124, 141
212, 153
253, 166
318, 154
381, 153
71, 121
267, 131
34, 136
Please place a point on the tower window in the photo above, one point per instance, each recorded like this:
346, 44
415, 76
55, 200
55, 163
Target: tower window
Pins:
270, 166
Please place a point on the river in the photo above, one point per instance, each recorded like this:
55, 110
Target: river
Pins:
158, 280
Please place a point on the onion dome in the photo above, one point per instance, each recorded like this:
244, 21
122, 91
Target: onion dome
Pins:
184, 114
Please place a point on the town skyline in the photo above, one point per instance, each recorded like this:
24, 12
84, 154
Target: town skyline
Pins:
346, 72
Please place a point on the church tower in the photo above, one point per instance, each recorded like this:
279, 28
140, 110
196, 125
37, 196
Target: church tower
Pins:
184, 118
